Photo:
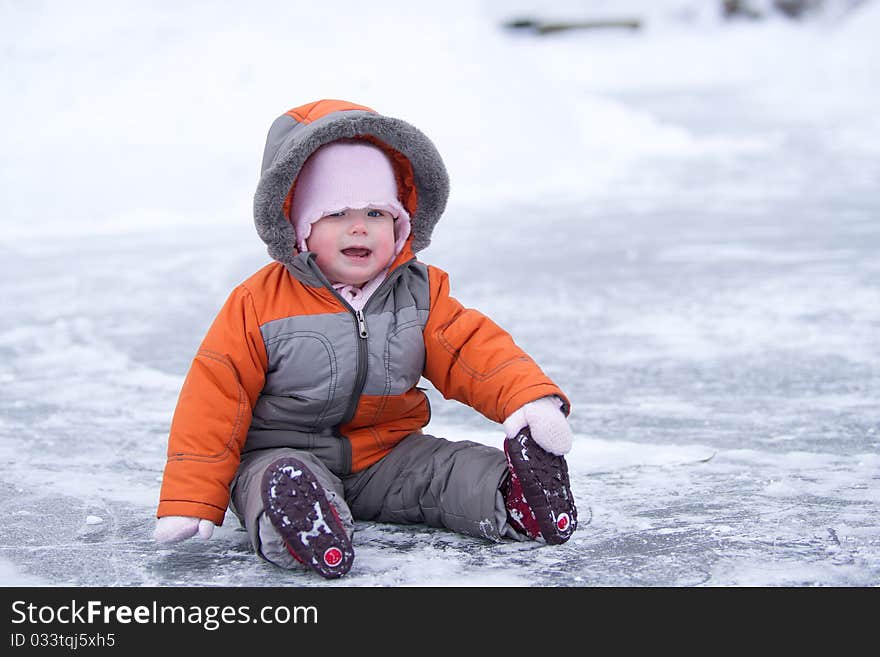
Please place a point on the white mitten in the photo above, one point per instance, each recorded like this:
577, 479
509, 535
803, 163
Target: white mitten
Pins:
547, 423
171, 529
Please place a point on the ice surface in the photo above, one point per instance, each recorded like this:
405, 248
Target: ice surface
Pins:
679, 224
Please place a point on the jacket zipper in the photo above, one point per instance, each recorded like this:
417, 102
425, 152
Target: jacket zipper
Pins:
361, 376
362, 324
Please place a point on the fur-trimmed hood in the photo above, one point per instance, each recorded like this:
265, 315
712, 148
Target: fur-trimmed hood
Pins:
422, 179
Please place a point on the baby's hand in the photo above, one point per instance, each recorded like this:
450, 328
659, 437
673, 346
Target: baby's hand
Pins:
171, 529
547, 424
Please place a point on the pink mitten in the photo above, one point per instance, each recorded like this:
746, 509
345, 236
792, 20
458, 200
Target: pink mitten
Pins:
171, 529
546, 422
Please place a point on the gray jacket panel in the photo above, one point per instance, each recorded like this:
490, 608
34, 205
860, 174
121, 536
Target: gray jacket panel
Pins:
311, 371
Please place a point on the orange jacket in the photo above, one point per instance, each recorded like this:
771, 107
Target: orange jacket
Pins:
288, 363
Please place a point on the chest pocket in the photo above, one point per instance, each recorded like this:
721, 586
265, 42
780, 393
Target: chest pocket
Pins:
303, 378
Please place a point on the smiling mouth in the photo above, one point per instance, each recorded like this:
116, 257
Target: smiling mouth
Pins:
356, 252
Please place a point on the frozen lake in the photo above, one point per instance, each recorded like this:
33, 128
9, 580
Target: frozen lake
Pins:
714, 315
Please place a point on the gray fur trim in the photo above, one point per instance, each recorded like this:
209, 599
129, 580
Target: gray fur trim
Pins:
289, 145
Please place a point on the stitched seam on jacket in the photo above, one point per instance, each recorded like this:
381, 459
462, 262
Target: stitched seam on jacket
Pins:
220, 456
250, 294
165, 499
472, 371
552, 389
376, 437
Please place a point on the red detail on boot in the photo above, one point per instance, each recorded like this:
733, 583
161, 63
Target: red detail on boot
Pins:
519, 513
336, 513
562, 522
332, 556
293, 554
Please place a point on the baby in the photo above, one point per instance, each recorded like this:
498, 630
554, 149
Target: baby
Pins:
301, 411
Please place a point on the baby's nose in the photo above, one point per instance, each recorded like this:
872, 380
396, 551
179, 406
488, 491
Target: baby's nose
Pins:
357, 227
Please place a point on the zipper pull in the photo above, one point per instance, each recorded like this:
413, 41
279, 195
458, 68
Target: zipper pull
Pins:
362, 324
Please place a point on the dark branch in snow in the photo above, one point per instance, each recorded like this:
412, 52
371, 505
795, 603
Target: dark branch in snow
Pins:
542, 28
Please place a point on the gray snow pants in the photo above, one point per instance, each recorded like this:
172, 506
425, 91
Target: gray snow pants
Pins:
424, 479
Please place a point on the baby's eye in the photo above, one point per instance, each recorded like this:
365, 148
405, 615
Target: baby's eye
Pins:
375, 213
336, 214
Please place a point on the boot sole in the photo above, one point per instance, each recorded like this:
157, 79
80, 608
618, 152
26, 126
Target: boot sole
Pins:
296, 504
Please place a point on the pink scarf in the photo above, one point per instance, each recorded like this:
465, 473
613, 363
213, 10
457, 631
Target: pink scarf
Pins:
357, 297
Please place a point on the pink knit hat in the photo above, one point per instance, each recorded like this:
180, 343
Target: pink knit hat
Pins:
346, 175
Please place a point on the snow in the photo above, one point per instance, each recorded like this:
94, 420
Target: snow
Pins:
678, 223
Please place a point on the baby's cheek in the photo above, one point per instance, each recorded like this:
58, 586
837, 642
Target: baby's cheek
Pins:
387, 249
385, 242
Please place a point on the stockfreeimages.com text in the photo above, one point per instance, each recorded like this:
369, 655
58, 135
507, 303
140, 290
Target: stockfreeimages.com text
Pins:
211, 617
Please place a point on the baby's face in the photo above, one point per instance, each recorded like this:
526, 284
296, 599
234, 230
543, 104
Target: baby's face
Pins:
353, 246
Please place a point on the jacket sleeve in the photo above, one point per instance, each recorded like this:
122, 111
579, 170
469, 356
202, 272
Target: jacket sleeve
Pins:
213, 413
471, 359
